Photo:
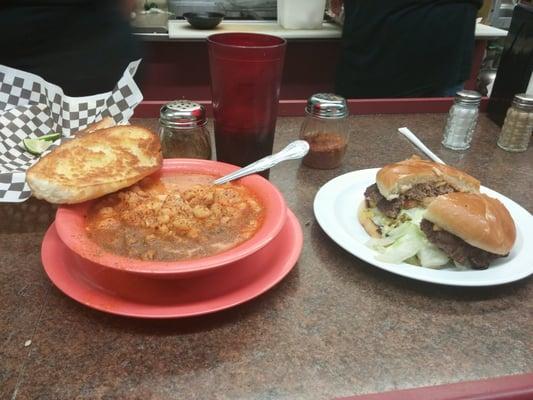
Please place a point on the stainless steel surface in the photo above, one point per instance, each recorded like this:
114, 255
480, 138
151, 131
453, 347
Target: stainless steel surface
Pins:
327, 105
501, 13
180, 7
249, 9
252, 3
182, 114
245, 9
485, 80
150, 22
468, 96
293, 151
523, 100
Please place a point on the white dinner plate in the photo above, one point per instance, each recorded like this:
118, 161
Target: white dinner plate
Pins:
336, 205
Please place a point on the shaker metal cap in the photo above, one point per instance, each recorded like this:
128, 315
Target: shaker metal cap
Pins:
523, 99
469, 96
182, 114
327, 105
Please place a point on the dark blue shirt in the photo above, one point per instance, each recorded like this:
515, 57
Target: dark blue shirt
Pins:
83, 46
405, 48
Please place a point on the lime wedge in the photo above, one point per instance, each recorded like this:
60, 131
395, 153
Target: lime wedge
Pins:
36, 146
50, 137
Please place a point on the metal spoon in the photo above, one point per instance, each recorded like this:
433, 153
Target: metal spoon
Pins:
293, 151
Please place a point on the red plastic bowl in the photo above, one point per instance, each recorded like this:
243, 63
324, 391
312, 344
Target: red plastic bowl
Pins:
70, 225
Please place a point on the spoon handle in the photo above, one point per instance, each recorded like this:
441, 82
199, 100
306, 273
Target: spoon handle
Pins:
293, 151
418, 143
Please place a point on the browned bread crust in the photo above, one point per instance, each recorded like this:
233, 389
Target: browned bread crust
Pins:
364, 217
93, 165
478, 219
394, 179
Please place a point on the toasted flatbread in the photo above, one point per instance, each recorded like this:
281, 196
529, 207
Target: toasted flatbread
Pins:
93, 165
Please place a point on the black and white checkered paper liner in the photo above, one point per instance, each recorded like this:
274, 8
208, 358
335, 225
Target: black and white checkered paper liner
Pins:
31, 107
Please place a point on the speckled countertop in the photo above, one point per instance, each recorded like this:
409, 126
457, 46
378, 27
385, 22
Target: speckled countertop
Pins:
334, 327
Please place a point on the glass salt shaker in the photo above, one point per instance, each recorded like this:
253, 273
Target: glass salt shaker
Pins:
518, 124
325, 129
462, 120
183, 132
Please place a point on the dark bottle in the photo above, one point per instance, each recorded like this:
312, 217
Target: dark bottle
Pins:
516, 64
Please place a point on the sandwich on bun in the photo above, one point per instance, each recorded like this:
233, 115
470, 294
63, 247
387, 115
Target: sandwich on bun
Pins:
430, 214
409, 184
472, 229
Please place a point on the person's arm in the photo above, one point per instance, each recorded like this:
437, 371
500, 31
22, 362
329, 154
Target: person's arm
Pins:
336, 6
335, 10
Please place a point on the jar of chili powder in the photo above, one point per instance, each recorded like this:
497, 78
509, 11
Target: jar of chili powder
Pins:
325, 129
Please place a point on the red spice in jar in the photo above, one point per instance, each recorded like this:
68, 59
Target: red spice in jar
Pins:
326, 150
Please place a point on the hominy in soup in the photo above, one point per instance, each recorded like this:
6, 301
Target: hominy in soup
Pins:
175, 218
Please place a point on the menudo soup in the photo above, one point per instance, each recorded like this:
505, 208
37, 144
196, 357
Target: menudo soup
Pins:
175, 218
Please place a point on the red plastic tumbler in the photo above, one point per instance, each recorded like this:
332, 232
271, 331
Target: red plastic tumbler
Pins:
246, 71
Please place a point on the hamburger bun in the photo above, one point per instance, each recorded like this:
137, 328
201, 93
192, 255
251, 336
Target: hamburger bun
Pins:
364, 215
478, 219
397, 178
96, 164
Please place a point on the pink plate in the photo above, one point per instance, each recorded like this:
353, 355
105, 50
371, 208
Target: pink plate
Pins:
122, 293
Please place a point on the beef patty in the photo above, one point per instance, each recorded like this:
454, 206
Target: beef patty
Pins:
374, 198
456, 248
391, 208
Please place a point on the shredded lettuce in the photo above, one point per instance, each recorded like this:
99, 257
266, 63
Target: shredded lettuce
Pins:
381, 220
413, 260
382, 242
461, 267
431, 256
414, 214
405, 241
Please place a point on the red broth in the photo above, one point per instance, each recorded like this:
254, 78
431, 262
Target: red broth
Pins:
175, 218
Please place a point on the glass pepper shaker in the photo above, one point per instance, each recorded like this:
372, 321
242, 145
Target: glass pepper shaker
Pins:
518, 124
325, 129
183, 132
462, 120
